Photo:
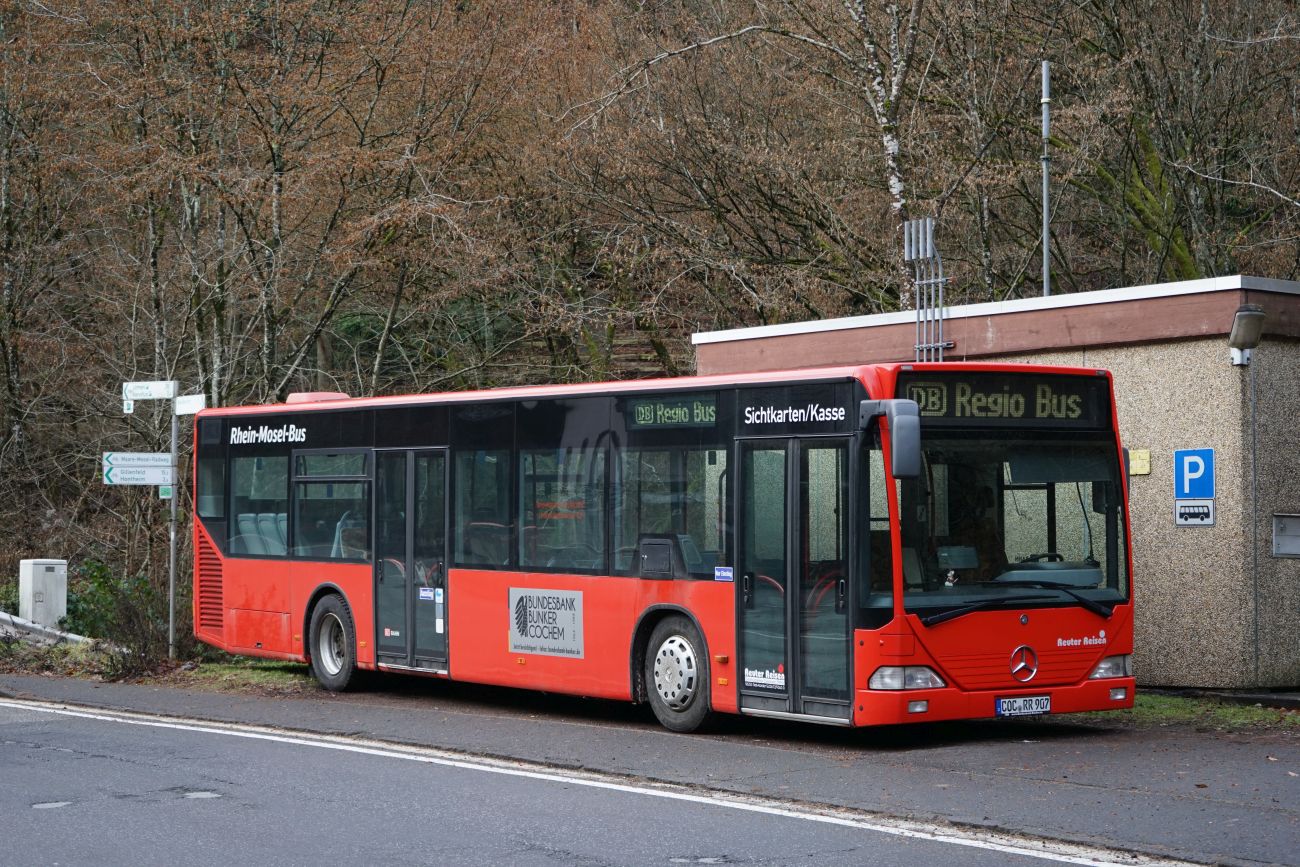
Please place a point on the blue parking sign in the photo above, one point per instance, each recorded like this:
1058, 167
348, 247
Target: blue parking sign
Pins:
1194, 474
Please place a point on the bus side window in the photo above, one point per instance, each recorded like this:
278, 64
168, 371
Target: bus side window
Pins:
481, 507
332, 520
211, 485
331, 509
259, 491
676, 492
210, 498
562, 509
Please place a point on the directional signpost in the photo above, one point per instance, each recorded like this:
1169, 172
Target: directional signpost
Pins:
138, 468
137, 459
188, 404
155, 468
150, 390
139, 476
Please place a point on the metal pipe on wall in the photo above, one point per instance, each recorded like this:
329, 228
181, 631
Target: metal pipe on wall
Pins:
1047, 130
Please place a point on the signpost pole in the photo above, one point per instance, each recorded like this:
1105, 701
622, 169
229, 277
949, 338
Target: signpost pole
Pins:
149, 468
171, 557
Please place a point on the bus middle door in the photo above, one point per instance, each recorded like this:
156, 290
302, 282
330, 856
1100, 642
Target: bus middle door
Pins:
411, 558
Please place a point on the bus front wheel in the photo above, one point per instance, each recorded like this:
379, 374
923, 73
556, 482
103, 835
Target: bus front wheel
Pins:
677, 675
333, 644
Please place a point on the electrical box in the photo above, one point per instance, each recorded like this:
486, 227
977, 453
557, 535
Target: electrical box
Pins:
1286, 535
43, 591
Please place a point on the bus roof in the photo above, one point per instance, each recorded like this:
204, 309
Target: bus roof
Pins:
867, 373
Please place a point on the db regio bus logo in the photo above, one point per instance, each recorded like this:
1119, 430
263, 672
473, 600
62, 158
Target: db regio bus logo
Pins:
931, 397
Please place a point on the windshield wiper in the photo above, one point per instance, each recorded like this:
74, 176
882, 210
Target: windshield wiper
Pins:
953, 613
1099, 608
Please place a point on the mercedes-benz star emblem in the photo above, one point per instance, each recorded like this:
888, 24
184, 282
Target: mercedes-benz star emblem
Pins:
1024, 663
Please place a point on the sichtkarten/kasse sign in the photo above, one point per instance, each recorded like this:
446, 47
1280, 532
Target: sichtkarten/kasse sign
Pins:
548, 622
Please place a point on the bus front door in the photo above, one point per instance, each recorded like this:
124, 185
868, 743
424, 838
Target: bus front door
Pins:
411, 558
793, 561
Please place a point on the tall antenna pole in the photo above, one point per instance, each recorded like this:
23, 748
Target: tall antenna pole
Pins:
1047, 131
927, 268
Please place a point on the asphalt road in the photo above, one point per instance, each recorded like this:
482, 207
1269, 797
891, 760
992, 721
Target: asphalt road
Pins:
96, 790
1199, 796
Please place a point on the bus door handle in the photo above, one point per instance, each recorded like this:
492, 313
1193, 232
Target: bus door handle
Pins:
747, 590
841, 595
438, 573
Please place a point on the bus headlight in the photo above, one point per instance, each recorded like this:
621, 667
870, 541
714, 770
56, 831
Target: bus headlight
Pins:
905, 677
1112, 666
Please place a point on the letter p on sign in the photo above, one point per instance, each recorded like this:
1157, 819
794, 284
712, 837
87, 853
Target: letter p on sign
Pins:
1194, 474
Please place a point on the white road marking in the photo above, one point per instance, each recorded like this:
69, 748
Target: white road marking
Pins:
1011, 844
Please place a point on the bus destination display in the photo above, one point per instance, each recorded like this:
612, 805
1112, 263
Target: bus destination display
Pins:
1009, 398
691, 410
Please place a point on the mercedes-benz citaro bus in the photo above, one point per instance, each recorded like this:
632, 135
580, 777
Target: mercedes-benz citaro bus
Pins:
854, 546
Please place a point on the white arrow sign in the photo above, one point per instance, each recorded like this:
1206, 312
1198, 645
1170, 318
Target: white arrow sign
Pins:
137, 459
188, 404
153, 390
139, 476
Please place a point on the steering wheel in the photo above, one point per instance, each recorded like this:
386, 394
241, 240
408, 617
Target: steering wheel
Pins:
1049, 556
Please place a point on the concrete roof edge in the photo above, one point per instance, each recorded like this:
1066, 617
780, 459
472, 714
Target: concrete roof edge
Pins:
1234, 282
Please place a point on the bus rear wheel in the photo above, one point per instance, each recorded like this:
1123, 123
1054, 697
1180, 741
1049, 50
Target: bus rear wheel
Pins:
677, 675
332, 643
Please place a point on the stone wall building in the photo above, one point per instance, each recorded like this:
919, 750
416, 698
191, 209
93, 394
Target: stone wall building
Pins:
1217, 606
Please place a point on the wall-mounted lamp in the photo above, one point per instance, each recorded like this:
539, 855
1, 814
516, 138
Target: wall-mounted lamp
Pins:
1247, 329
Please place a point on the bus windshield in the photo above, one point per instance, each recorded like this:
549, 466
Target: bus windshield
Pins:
1020, 519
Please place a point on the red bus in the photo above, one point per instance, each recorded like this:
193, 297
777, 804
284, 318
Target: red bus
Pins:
853, 546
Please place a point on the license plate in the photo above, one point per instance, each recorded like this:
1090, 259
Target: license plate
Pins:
1024, 705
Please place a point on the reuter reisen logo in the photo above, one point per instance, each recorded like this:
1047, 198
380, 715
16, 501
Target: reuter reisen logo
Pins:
288, 433
1086, 641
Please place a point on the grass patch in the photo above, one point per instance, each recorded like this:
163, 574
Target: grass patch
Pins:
224, 673
242, 674
64, 659
1152, 710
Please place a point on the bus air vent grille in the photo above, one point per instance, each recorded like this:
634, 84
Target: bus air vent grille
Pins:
993, 670
209, 592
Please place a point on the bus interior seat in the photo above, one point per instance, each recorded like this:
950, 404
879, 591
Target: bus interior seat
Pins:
270, 533
341, 547
246, 523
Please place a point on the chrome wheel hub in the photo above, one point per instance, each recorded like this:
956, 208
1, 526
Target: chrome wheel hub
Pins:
676, 672
332, 647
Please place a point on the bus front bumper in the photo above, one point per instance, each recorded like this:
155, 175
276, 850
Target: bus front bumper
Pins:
887, 707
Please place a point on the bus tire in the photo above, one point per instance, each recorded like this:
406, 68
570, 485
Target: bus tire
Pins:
332, 643
677, 675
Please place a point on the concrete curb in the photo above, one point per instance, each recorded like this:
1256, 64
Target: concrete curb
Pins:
1282, 700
